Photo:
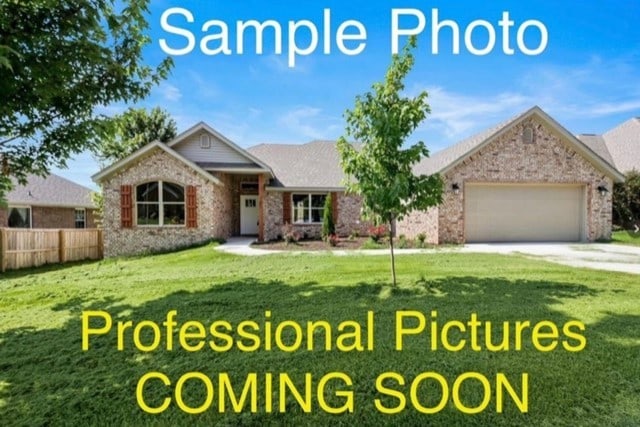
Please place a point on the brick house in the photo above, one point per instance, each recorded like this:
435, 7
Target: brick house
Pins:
527, 179
48, 202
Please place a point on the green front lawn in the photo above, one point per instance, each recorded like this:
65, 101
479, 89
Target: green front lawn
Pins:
45, 377
626, 237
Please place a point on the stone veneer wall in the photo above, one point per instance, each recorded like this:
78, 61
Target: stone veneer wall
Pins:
348, 217
214, 208
549, 159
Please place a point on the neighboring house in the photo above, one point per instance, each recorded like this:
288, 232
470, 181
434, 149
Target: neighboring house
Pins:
620, 146
51, 202
527, 179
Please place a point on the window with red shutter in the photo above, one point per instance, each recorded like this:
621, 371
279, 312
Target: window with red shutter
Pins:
286, 208
126, 206
192, 207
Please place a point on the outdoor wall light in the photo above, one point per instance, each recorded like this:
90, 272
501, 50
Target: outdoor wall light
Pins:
602, 190
456, 188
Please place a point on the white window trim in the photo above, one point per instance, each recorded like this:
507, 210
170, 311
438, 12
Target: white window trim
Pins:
160, 204
21, 207
310, 208
84, 220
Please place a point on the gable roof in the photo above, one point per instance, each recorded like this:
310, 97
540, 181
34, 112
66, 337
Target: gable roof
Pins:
598, 145
315, 164
448, 158
53, 191
623, 143
147, 149
202, 126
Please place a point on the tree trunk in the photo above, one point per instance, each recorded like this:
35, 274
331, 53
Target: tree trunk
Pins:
393, 259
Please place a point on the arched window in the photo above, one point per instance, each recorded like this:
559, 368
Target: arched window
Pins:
160, 203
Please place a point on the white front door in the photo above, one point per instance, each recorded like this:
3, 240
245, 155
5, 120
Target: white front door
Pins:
248, 215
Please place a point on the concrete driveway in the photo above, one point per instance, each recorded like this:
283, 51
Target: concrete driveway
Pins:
610, 257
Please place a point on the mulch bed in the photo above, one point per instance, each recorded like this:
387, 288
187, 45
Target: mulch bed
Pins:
311, 245
319, 245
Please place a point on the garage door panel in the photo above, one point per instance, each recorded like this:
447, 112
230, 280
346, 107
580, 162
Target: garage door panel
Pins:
511, 213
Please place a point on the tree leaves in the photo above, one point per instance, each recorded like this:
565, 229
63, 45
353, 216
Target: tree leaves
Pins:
72, 57
132, 130
380, 169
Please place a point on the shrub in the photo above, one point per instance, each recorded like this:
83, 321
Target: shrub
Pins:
377, 232
421, 237
626, 201
328, 226
333, 240
289, 234
402, 242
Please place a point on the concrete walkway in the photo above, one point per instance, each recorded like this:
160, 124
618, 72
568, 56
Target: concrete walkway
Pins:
608, 257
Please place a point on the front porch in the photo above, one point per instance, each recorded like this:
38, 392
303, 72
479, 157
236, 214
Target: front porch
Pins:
244, 193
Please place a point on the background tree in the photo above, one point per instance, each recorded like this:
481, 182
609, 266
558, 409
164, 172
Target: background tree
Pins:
626, 202
328, 226
381, 171
133, 129
66, 58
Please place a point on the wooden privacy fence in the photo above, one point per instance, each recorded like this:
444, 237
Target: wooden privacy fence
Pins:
22, 248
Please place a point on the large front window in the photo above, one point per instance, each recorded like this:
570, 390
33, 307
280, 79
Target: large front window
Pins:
160, 203
19, 217
307, 208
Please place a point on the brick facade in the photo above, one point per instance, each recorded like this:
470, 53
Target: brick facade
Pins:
548, 160
348, 209
214, 207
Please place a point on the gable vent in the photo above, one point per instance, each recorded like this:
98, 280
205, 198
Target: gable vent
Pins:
527, 135
205, 141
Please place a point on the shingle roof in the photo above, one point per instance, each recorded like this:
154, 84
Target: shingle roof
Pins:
53, 190
317, 163
623, 143
314, 164
597, 145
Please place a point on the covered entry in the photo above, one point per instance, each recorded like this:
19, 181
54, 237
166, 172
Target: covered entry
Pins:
524, 213
249, 215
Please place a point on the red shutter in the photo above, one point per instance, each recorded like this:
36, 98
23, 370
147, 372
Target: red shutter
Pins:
126, 206
286, 208
192, 207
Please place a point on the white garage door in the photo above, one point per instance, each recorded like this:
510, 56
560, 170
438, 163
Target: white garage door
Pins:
523, 213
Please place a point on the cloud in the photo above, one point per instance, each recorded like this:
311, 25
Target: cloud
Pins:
455, 114
574, 94
280, 63
310, 122
169, 92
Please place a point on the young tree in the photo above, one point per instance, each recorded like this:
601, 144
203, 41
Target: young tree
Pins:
381, 170
133, 129
66, 59
328, 226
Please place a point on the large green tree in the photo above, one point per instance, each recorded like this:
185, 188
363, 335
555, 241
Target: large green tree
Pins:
381, 169
66, 58
133, 129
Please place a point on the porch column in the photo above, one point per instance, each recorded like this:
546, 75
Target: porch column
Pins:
261, 193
